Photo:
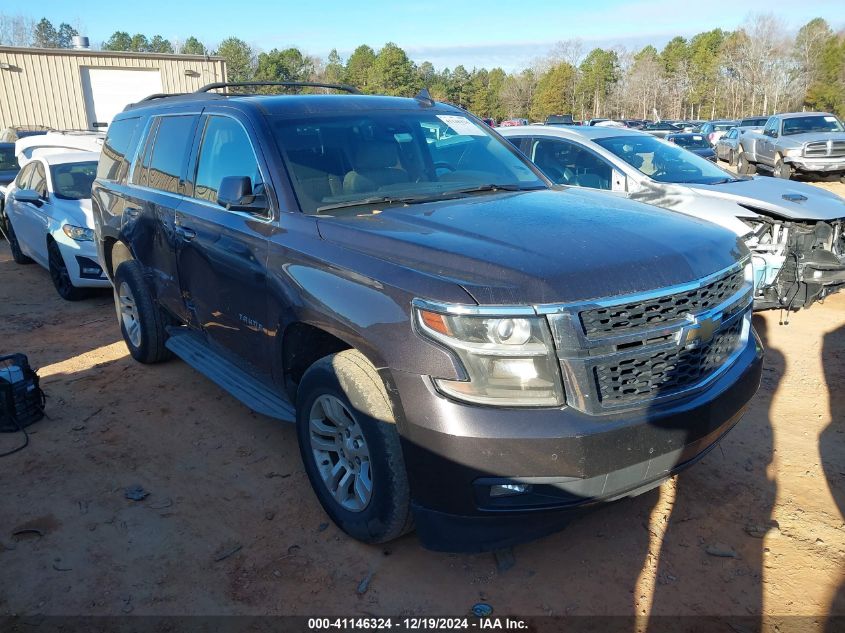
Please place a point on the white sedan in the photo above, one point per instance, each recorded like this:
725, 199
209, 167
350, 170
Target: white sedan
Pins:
49, 220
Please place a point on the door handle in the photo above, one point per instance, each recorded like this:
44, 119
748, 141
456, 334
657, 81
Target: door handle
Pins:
185, 233
132, 212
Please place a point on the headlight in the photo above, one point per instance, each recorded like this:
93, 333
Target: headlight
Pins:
793, 152
509, 361
78, 233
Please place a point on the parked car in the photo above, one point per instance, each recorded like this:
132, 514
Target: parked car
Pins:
8, 170
48, 219
714, 130
513, 122
696, 143
559, 119
459, 342
796, 232
807, 143
490, 122
662, 129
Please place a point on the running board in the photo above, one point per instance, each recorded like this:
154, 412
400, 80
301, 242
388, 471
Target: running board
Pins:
252, 392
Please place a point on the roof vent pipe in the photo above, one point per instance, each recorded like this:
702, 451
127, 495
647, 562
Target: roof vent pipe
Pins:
80, 43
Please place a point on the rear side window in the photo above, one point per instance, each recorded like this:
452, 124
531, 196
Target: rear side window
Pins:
113, 158
226, 151
170, 153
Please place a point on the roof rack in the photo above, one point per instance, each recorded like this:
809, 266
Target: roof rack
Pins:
162, 95
287, 84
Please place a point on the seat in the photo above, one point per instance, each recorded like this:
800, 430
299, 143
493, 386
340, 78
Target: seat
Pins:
317, 169
376, 165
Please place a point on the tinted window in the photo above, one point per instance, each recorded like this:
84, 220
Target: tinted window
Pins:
170, 152
39, 180
113, 158
72, 181
343, 160
691, 141
569, 164
7, 158
226, 151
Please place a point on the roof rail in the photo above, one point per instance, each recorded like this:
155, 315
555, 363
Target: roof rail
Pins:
161, 95
287, 84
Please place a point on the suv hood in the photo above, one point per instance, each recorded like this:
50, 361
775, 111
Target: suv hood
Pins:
788, 199
540, 247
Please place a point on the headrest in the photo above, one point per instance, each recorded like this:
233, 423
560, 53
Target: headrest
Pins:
65, 180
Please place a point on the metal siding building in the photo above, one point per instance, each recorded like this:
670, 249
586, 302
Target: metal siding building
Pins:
82, 89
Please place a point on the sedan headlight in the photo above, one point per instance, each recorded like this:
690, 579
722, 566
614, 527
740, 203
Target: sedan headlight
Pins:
509, 361
78, 233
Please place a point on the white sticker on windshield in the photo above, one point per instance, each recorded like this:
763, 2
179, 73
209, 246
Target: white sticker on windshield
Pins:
461, 124
698, 138
830, 119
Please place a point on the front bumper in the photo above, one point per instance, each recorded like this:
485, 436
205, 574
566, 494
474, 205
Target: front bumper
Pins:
825, 165
454, 452
83, 263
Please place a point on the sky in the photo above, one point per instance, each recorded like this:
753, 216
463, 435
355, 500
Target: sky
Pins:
447, 33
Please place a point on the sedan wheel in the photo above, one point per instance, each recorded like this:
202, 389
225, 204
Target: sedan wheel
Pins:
14, 245
60, 275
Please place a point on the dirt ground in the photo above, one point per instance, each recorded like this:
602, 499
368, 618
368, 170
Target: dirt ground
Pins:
230, 525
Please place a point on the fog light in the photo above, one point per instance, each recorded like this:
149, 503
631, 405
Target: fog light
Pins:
507, 490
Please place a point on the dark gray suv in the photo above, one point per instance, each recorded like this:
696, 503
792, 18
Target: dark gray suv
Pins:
463, 346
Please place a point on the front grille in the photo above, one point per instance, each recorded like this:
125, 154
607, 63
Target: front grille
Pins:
666, 371
651, 346
825, 149
665, 310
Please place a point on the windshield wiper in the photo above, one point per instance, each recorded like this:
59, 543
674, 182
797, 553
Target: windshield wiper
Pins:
372, 200
492, 187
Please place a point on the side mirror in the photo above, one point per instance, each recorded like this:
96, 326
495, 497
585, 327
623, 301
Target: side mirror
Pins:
27, 195
235, 194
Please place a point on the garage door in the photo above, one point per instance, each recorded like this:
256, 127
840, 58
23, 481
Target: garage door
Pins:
108, 90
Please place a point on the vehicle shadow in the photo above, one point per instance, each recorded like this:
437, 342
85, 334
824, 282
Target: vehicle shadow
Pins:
711, 556
832, 446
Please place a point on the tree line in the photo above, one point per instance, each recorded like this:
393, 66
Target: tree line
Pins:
759, 68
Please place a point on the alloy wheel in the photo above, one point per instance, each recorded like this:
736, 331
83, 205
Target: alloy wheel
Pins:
340, 453
59, 272
129, 314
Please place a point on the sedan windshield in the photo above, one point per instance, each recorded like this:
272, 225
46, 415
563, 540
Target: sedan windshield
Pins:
72, 181
814, 123
664, 162
340, 161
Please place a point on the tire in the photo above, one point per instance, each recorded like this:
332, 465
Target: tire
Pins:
14, 245
732, 158
60, 275
782, 169
347, 432
743, 166
141, 322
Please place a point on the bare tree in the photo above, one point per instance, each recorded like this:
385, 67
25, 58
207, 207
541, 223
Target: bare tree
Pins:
16, 30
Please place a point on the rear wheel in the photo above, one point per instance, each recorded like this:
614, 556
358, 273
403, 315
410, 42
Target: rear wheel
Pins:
743, 166
782, 169
61, 276
350, 448
141, 322
14, 245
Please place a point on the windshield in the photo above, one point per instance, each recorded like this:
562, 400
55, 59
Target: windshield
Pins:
72, 181
723, 127
8, 161
758, 122
690, 141
817, 123
664, 162
345, 160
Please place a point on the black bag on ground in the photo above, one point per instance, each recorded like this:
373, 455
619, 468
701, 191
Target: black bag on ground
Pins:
21, 399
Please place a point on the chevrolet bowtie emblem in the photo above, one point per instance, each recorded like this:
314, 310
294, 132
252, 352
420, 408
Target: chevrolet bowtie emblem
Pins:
699, 331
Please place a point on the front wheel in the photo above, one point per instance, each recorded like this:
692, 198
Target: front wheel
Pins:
350, 448
782, 169
61, 276
141, 322
732, 158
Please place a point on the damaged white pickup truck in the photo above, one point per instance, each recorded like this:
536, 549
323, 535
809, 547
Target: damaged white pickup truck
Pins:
795, 231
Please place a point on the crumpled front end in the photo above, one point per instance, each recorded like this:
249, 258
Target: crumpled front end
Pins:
796, 263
